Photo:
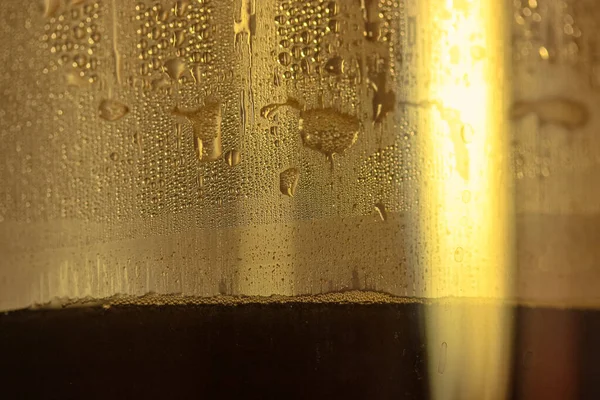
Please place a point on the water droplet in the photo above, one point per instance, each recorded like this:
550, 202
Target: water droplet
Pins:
545, 171
269, 110
112, 110
175, 68
380, 207
333, 26
246, 24
459, 254
233, 157
558, 111
178, 38
288, 180
50, 7
74, 79
443, 355
284, 58
79, 60
331, 9
466, 132
384, 100
95, 37
79, 32
206, 125
324, 130
477, 52
160, 83
335, 65
280, 19
328, 131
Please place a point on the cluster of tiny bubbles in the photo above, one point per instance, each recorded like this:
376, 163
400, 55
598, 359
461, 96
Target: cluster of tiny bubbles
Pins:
301, 27
382, 175
72, 34
539, 34
119, 177
346, 297
328, 131
155, 180
529, 167
215, 160
581, 31
389, 14
529, 21
176, 40
288, 180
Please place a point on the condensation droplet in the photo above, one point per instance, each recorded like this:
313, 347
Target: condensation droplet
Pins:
328, 131
206, 125
380, 207
284, 58
443, 356
175, 68
288, 180
112, 110
558, 111
233, 157
79, 32
335, 65
466, 133
459, 254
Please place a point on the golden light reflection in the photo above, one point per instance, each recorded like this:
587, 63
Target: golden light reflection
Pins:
465, 212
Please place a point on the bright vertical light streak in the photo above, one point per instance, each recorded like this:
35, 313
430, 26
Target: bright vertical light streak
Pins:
465, 214
466, 140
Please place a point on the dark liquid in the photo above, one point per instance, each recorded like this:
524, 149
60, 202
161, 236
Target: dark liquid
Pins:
282, 351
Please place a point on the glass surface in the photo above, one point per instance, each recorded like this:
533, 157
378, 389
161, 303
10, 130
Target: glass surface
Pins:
436, 152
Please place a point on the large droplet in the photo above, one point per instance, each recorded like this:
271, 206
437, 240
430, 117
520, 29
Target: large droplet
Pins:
442, 359
288, 180
328, 131
175, 68
380, 207
79, 32
161, 82
233, 157
247, 22
112, 110
178, 38
459, 254
466, 132
284, 58
558, 111
335, 65
384, 100
206, 125
74, 79
50, 7
269, 110
372, 30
